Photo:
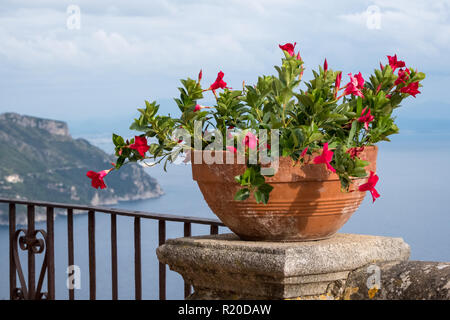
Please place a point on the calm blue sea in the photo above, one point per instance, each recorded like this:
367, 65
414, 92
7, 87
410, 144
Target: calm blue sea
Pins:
414, 180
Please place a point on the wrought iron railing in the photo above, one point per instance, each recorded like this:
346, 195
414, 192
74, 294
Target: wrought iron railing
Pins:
38, 241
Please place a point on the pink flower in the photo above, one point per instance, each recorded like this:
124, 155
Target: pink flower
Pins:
325, 157
232, 149
200, 107
411, 89
381, 67
250, 140
366, 119
219, 83
140, 145
97, 178
200, 75
370, 186
360, 79
289, 48
354, 86
394, 63
299, 58
325, 66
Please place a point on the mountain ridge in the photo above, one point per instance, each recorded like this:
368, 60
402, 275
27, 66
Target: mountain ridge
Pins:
39, 160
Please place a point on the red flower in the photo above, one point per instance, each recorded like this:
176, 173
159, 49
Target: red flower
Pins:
360, 80
355, 85
199, 107
379, 88
325, 66
366, 119
304, 152
354, 152
97, 178
403, 75
337, 83
140, 144
219, 83
411, 89
381, 67
370, 186
289, 48
325, 157
200, 75
394, 63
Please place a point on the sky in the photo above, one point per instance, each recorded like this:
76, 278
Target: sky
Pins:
124, 52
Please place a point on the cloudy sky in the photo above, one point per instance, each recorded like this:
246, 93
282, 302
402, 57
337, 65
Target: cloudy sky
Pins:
128, 51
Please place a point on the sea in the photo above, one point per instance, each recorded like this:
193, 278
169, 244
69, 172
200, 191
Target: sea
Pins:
414, 186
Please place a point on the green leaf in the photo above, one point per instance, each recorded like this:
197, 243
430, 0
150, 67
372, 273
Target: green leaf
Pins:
242, 194
352, 133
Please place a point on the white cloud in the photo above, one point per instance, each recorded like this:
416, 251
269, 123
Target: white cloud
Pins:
135, 46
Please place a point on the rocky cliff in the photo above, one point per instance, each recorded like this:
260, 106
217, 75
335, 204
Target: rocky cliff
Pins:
39, 160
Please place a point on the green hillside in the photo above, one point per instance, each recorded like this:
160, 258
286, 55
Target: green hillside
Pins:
39, 160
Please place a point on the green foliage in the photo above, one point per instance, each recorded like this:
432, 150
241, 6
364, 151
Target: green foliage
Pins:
253, 181
305, 118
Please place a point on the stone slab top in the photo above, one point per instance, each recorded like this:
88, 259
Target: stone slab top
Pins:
227, 252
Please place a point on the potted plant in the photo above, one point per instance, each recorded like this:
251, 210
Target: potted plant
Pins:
276, 160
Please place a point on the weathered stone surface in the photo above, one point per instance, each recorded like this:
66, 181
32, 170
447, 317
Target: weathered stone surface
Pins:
408, 280
222, 266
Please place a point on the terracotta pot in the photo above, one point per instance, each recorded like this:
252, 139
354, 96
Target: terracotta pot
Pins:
306, 203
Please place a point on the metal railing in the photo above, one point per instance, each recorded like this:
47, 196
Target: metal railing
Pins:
42, 242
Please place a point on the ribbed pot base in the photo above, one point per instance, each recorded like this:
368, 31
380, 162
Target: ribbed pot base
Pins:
306, 203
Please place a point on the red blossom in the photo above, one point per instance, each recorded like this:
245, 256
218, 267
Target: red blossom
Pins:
370, 186
219, 83
394, 63
379, 88
381, 67
200, 75
325, 66
360, 80
354, 152
337, 84
354, 86
411, 89
97, 178
140, 145
403, 75
304, 152
289, 48
366, 118
325, 157
199, 107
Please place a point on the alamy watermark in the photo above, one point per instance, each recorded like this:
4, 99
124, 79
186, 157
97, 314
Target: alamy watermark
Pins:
373, 21
74, 277
244, 146
73, 21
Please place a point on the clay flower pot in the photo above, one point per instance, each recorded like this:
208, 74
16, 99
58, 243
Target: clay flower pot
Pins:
306, 203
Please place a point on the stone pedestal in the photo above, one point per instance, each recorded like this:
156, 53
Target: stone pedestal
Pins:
224, 267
